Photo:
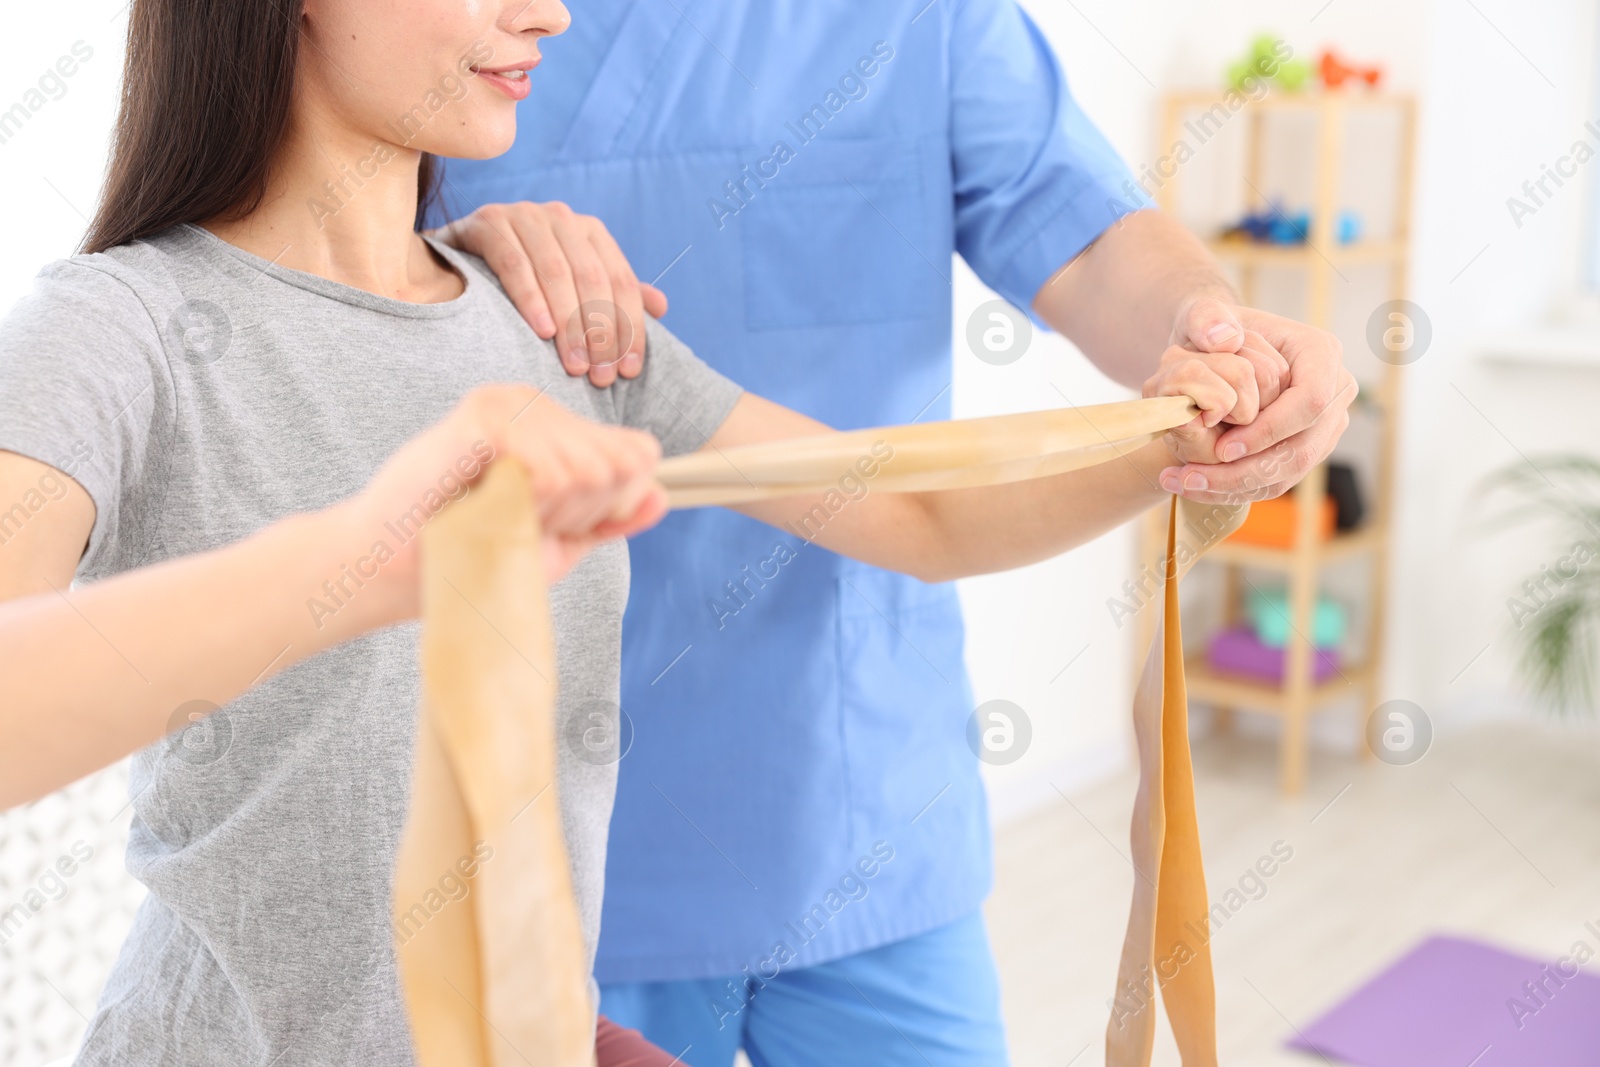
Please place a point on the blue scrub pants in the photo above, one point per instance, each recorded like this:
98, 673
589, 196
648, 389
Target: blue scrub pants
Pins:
929, 1001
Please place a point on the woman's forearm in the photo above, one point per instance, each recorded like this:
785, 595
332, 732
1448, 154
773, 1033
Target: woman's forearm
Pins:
90, 675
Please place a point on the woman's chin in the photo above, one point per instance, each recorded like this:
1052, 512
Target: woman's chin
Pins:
481, 143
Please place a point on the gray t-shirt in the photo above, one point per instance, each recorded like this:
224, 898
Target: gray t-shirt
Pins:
199, 393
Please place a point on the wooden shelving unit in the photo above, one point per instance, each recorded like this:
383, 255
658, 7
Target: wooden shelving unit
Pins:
1299, 696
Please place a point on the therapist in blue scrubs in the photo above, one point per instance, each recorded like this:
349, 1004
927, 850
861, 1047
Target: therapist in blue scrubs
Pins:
800, 845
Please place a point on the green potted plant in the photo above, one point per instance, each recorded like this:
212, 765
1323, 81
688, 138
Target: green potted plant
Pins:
1557, 612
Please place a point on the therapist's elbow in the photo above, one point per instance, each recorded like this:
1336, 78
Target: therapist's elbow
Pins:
942, 576
940, 571
931, 567
939, 563
928, 546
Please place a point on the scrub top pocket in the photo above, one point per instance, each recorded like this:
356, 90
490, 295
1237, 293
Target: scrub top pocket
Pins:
828, 240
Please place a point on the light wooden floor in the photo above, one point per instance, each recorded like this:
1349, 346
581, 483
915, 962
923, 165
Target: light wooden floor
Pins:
1463, 841
1495, 833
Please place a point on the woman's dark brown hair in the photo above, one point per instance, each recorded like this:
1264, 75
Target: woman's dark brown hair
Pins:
206, 94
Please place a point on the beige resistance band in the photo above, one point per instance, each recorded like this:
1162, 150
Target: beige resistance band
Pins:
496, 977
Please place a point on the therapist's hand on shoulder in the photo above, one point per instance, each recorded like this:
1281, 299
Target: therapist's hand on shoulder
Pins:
569, 280
1305, 397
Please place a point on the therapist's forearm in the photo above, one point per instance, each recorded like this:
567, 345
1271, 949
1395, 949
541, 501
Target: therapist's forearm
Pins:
1118, 300
941, 536
958, 532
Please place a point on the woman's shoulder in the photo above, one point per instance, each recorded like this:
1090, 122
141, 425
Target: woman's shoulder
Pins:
129, 283
168, 293
102, 320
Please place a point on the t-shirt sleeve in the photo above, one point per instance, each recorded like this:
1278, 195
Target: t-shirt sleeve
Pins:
84, 384
677, 396
1035, 181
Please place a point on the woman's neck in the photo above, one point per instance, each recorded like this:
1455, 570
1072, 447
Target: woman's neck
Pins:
343, 208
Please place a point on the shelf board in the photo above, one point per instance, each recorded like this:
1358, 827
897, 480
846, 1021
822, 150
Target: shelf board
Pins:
1262, 254
1546, 346
1210, 686
1282, 100
1337, 549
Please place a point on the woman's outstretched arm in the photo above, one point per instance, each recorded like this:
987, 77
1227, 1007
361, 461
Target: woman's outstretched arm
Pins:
89, 675
95, 673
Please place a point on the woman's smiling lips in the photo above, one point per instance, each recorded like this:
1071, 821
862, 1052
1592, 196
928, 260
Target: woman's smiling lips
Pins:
512, 80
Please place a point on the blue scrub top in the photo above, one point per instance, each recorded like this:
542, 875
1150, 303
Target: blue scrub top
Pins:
799, 173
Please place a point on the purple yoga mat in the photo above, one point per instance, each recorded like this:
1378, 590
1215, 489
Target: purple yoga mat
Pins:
1449, 1003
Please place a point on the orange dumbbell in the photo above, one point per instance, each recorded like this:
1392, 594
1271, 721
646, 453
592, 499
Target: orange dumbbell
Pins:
1335, 72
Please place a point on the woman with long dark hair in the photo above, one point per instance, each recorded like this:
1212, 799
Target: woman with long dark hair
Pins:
229, 418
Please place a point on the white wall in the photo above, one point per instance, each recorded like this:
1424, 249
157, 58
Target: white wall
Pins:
1490, 117
50, 170
1492, 121
1120, 58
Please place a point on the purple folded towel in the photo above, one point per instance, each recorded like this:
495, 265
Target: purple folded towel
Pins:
1241, 652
